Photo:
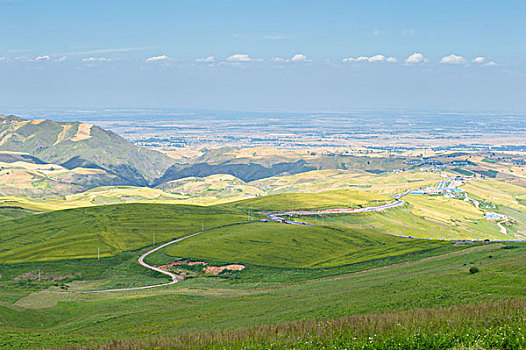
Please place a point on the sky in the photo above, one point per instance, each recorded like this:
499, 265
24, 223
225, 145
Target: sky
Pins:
288, 56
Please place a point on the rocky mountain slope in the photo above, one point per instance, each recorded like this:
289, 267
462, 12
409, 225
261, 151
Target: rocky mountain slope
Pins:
79, 145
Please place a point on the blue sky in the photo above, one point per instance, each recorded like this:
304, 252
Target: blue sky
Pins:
264, 55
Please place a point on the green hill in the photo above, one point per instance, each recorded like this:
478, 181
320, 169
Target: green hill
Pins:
294, 246
77, 233
310, 201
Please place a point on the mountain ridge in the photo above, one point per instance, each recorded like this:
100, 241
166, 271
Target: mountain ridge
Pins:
76, 144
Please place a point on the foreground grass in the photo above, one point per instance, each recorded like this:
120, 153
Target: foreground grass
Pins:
224, 304
490, 325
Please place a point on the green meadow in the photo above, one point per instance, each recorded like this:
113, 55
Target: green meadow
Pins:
230, 303
78, 233
293, 246
311, 201
336, 284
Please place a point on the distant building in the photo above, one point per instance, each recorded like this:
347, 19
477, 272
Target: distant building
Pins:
495, 216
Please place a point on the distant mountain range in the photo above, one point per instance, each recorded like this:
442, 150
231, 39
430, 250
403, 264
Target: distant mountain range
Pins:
41, 157
79, 145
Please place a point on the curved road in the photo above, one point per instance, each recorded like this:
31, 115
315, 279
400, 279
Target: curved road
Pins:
173, 276
394, 204
176, 278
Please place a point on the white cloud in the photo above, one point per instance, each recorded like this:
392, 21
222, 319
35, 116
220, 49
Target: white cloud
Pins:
299, 58
209, 59
416, 58
491, 64
3, 59
295, 58
453, 59
377, 32
96, 59
157, 58
479, 59
42, 58
239, 58
60, 59
372, 59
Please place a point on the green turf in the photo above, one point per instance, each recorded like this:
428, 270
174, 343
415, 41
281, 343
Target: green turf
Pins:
346, 265
14, 212
308, 201
292, 246
77, 233
212, 303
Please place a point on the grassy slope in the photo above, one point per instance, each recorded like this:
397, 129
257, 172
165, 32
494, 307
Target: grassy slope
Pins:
419, 279
211, 303
307, 201
498, 192
76, 233
14, 212
404, 221
485, 325
292, 246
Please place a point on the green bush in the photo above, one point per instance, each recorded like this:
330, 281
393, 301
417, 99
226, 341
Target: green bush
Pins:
473, 269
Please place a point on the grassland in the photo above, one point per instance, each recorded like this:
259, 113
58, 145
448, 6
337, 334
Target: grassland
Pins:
78, 233
303, 287
217, 303
490, 325
292, 246
311, 201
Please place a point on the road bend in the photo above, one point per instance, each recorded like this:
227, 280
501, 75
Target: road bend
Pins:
175, 278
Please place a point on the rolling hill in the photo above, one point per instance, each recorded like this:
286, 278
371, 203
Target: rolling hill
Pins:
76, 233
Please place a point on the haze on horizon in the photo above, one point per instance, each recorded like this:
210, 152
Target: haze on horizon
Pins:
273, 55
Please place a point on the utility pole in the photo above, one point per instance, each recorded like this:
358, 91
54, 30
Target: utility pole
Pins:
248, 215
39, 273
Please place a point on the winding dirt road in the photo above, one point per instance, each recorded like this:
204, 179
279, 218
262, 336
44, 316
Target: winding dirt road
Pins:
176, 278
173, 276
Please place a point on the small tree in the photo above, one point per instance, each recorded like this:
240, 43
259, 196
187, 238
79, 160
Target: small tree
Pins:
473, 269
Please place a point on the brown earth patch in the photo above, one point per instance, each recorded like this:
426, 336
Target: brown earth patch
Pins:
182, 262
209, 269
215, 270
83, 132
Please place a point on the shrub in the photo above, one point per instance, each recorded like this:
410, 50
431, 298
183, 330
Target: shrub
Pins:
473, 269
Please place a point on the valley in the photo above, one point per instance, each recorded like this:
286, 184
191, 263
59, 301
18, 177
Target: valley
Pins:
269, 247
